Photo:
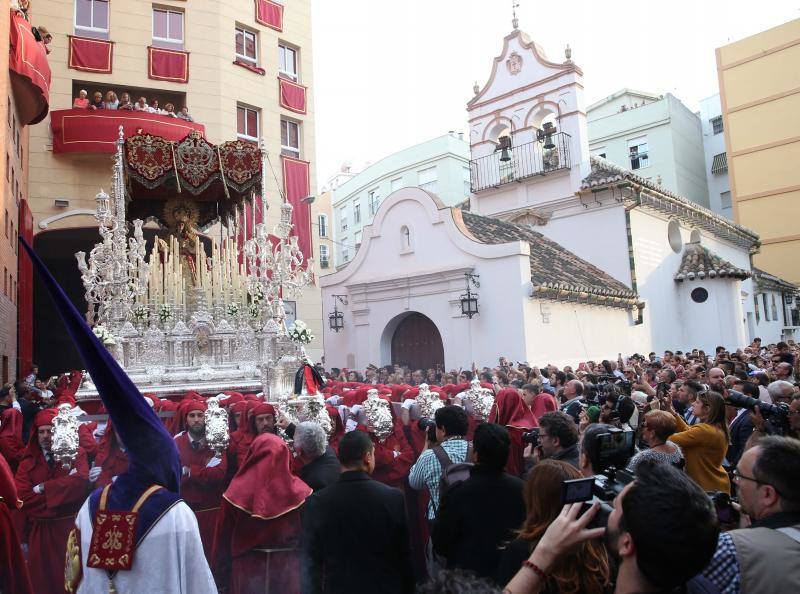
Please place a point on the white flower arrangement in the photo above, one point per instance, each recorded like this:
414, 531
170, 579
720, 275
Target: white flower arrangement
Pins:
233, 309
165, 313
255, 310
141, 313
299, 331
104, 336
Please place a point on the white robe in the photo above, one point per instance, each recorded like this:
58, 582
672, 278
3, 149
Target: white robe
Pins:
170, 559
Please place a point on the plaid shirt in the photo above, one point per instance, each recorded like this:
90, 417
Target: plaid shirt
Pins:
427, 472
723, 570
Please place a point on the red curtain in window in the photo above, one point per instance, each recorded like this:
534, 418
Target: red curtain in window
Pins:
25, 292
166, 64
90, 55
270, 14
293, 96
297, 185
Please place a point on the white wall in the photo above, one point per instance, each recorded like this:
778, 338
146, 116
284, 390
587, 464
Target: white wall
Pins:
714, 144
383, 282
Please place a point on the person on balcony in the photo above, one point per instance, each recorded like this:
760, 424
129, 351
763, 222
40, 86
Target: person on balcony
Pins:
97, 102
43, 36
141, 105
154, 108
81, 101
169, 110
125, 102
184, 114
111, 100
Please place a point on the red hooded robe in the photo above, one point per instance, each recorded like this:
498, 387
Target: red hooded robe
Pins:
255, 546
52, 513
14, 577
510, 410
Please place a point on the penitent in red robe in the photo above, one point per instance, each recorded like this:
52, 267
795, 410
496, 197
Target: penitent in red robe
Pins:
202, 489
51, 514
110, 458
390, 469
12, 448
14, 577
256, 556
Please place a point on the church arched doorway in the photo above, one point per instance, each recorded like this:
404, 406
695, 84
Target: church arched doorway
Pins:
416, 343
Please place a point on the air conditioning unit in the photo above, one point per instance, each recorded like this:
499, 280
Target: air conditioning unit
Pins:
323, 263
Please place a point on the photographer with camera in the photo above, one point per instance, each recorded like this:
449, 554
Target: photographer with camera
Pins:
657, 428
557, 439
662, 531
543, 502
705, 444
764, 557
451, 426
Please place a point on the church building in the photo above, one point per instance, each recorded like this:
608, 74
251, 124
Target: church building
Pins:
559, 257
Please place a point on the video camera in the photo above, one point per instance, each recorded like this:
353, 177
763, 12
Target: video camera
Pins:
424, 424
776, 414
612, 450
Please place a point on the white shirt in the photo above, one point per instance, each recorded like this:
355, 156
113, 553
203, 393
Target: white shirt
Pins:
170, 559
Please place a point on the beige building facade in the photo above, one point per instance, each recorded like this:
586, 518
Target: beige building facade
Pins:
759, 82
234, 64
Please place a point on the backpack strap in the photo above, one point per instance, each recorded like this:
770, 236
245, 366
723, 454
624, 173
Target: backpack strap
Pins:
442, 457
469, 452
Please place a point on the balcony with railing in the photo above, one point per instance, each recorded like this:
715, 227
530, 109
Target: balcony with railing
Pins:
516, 163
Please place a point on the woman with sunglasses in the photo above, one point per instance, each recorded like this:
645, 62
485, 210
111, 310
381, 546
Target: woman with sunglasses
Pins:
704, 445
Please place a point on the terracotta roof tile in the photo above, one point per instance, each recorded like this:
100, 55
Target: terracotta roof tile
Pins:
555, 271
699, 263
766, 280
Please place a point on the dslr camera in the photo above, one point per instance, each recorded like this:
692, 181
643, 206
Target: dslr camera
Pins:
612, 450
776, 414
531, 437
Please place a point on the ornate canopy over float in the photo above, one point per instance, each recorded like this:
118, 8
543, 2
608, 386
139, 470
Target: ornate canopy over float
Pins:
192, 313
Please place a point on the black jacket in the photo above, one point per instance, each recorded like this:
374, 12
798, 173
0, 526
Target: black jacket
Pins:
741, 430
322, 471
477, 517
355, 539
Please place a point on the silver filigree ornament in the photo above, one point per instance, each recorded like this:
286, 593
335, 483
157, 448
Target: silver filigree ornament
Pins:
317, 413
480, 400
379, 417
428, 402
216, 419
65, 436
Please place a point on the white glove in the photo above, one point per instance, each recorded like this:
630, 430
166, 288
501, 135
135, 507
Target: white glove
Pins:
333, 400
39, 489
94, 473
408, 403
355, 409
214, 462
114, 479
185, 471
16, 405
351, 425
73, 471
395, 453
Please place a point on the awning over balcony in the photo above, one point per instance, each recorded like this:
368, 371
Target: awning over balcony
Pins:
30, 72
82, 131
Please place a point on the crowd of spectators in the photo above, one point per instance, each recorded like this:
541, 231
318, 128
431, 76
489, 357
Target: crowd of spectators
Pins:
124, 103
445, 494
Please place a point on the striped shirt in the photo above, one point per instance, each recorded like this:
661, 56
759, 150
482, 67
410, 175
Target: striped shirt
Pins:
427, 472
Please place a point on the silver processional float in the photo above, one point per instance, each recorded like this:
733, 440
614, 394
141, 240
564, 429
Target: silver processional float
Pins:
183, 319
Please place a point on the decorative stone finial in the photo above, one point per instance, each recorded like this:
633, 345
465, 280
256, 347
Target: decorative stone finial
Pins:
568, 53
515, 23
475, 88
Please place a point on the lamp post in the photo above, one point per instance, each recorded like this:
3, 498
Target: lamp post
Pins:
336, 318
469, 300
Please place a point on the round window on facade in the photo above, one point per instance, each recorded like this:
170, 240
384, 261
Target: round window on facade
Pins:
674, 236
699, 295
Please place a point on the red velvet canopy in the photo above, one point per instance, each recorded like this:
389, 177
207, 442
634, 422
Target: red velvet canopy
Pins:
27, 61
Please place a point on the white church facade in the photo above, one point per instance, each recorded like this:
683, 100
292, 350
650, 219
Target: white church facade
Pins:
576, 258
